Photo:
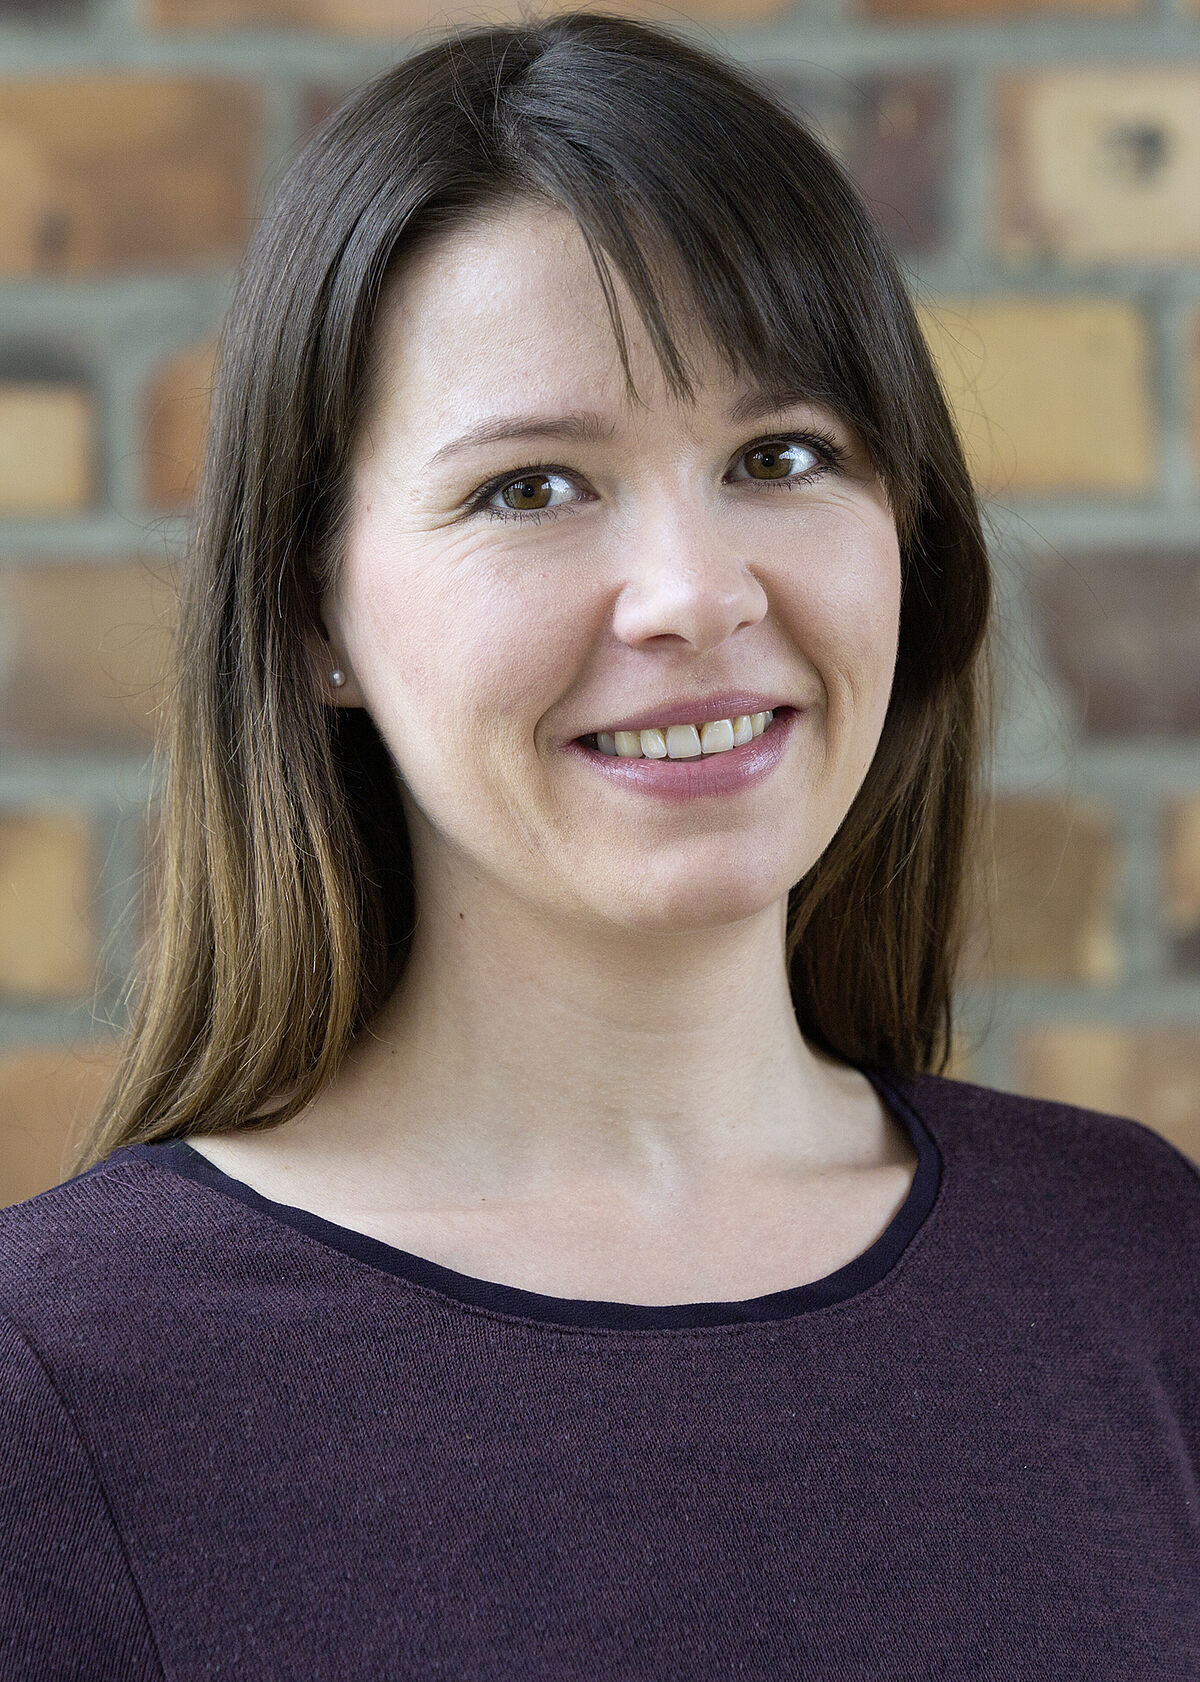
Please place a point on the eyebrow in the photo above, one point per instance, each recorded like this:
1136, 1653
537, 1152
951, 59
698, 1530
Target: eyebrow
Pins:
585, 426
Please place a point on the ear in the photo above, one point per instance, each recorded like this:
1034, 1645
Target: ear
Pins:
324, 659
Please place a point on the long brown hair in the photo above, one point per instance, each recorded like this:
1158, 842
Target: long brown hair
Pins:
282, 904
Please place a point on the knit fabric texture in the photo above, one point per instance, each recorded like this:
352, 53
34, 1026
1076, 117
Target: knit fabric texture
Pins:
239, 1441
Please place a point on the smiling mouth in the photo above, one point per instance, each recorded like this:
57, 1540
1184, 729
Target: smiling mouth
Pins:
683, 741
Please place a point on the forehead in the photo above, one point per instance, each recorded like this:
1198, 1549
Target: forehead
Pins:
509, 311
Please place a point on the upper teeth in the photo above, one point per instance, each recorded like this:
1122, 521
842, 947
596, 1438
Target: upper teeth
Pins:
684, 741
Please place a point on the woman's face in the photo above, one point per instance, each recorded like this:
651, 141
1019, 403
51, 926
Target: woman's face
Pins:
505, 598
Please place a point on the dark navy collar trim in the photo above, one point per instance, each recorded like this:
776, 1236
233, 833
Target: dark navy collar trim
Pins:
849, 1281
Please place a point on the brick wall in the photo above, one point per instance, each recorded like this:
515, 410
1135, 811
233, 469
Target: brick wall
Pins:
1037, 162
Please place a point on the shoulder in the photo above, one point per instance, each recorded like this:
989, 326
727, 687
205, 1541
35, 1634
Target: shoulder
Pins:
106, 1273
94, 1267
1065, 1137
69, 1601
111, 1209
1116, 1192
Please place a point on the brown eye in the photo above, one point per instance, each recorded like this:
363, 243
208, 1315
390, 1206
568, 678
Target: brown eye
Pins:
532, 492
776, 461
528, 493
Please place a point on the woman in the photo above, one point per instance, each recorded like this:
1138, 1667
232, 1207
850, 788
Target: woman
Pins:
532, 1233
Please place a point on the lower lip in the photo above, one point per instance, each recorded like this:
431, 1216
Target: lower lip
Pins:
696, 779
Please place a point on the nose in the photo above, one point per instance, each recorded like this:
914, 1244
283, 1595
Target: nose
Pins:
685, 579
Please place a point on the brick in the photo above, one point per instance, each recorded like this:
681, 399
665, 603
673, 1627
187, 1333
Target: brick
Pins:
47, 449
45, 11
900, 156
318, 100
47, 1094
1182, 874
1100, 164
978, 11
176, 418
47, 905
1048, 877
106, 174
1150, 1074
1121, 633
892, 133
351, 17
394, 18
1194, 349
1050, 395
83, 655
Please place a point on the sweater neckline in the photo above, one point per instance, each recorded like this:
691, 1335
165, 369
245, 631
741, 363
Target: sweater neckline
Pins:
851, 1280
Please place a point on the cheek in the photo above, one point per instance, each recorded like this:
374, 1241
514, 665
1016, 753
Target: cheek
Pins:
484, 648
847, 594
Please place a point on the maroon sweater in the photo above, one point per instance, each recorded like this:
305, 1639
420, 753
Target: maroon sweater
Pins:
238, 1441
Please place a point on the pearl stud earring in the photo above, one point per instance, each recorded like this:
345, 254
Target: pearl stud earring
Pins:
337, 679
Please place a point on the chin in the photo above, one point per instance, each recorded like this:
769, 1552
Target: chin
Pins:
691, 905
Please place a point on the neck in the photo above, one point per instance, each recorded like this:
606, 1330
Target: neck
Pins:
524, 1054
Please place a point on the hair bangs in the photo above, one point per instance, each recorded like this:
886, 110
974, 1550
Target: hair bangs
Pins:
802, 310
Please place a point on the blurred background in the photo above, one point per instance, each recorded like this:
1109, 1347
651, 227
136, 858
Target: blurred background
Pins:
1037, 165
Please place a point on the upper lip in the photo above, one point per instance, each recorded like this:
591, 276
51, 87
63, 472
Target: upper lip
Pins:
699, 709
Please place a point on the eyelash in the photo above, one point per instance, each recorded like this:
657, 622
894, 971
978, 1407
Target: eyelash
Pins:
831, 454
